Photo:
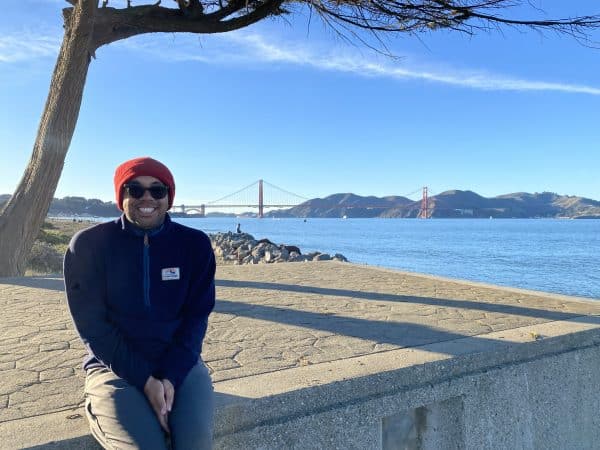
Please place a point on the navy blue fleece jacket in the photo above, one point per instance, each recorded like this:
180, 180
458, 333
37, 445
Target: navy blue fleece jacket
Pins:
140, 300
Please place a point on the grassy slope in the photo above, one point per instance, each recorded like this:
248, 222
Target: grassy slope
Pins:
51, 244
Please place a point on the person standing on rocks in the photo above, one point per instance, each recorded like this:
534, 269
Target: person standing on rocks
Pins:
140, 290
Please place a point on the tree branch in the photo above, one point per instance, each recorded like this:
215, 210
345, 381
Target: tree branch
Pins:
115, 24
458, 15
226, 11
377, 16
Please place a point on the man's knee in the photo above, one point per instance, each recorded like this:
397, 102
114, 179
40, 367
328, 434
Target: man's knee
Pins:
192, 416
119, 414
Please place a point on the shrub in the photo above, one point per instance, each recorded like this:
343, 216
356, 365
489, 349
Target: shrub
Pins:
44, 259
53, 238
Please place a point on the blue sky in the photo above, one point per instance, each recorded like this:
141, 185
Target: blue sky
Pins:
295, 105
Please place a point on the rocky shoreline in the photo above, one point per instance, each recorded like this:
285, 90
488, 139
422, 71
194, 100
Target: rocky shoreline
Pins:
243, 248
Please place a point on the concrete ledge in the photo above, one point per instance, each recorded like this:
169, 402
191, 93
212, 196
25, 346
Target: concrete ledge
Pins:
66, 430
274, 400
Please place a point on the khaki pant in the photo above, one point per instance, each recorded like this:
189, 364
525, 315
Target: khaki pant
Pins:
121, 417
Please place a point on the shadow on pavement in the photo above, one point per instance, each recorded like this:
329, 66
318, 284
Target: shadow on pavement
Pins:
51, 282
401, 334
78, 443
440, 302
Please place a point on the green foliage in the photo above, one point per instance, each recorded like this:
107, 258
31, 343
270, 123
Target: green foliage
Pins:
48, 226
53, 237
51, 244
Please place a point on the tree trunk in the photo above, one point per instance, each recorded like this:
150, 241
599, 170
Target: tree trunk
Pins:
23, 215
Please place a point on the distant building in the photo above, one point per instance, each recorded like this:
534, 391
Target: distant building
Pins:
464, 212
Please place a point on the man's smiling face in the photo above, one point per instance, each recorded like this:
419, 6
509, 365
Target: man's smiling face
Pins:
145, 212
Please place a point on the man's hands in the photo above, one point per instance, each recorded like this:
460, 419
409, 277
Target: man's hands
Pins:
160, 394
169, 394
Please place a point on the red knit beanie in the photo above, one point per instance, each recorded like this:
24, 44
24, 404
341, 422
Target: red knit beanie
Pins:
143, 166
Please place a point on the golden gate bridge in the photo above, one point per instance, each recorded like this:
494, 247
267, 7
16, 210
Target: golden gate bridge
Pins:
263, 195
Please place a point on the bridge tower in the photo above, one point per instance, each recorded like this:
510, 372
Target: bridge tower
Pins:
424, 213
260, 199
203, 210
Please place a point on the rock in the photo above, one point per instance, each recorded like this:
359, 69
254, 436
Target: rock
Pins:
242, 248
284, 253
249, 260
268, 256
339, 257
291, 248
258, 251
295, 257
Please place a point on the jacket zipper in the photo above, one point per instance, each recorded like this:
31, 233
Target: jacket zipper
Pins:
146, 271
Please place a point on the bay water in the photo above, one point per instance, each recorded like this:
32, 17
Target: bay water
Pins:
558, 256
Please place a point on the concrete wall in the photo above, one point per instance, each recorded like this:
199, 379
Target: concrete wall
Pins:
541, 394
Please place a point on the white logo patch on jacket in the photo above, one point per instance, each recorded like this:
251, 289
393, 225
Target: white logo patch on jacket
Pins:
170, 273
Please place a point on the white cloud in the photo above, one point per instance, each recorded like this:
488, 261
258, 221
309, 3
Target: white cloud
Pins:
27, 46
255, 49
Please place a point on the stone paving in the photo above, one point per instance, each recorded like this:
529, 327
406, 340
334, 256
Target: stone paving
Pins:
268, 318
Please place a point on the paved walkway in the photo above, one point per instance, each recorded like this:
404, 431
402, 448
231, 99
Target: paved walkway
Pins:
268, 318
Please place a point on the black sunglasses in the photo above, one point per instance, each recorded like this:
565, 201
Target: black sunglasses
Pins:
157, 191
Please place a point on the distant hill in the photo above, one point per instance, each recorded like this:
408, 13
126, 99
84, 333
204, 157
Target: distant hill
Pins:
81, 206
338, 205
77, 206
453, 203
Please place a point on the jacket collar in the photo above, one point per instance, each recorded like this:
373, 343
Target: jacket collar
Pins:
130, 228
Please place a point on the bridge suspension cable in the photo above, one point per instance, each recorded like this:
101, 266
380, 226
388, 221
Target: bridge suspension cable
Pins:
246, 198
416, 191
232, 194
285, 191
